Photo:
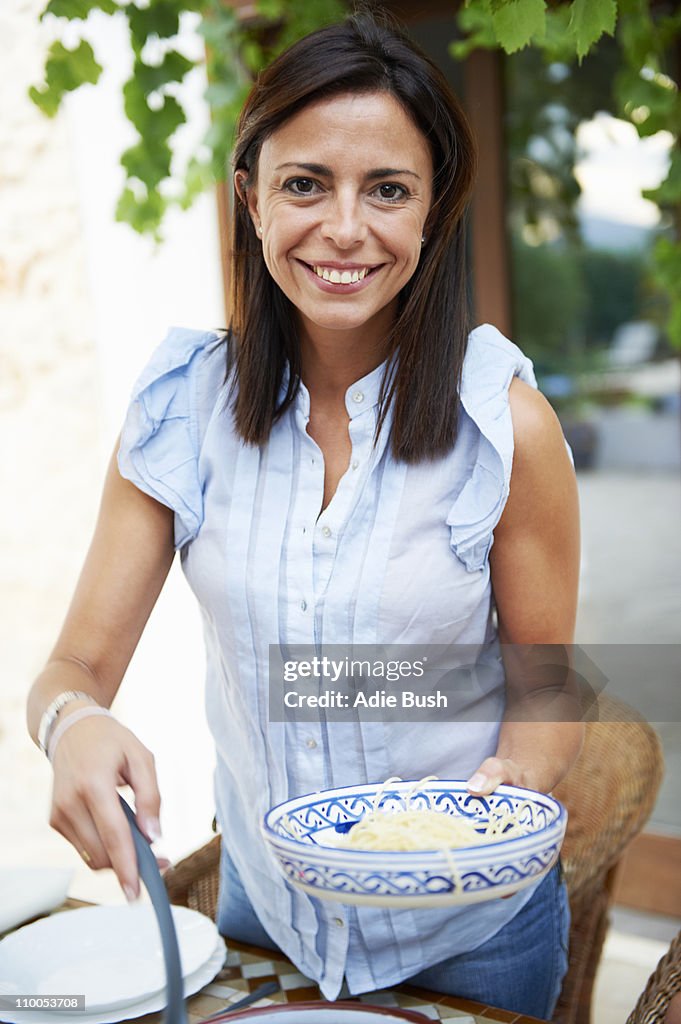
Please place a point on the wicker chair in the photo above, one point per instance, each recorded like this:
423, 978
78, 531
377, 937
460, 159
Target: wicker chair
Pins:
609, 794
663, 984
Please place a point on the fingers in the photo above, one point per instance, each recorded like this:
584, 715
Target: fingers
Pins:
492, 773
86, 809
141, 776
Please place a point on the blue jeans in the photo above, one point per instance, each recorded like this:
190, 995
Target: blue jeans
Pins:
521, 968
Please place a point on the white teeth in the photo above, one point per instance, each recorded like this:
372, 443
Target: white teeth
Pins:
341, 277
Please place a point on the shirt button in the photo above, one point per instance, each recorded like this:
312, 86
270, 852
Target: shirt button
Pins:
326, 531
338, 921
358, 397
311, 743
355, 464
303, 605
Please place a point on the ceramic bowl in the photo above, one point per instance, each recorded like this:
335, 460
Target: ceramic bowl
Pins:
305, 837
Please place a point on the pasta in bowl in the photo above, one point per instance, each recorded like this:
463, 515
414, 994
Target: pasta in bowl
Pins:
429, 843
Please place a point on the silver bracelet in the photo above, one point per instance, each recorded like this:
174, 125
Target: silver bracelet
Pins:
52, 710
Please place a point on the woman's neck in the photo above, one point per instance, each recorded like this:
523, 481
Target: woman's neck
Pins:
332, 360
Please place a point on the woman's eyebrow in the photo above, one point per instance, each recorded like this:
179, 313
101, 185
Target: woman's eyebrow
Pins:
326, 172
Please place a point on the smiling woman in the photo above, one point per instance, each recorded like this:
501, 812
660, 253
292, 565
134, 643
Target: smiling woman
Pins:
334, 469
319, 233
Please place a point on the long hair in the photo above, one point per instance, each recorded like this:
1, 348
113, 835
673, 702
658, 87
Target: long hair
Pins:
427, 344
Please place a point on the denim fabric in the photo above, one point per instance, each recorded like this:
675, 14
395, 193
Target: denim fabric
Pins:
521, 968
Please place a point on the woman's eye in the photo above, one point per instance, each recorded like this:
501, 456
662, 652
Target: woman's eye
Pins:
301, 186
391, 193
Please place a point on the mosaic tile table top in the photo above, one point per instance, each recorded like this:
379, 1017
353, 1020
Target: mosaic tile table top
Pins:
247, 968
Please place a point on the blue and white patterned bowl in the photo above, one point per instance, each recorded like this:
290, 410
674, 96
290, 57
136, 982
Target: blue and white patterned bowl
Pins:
303, 837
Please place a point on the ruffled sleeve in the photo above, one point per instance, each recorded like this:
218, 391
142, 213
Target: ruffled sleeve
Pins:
166, 421
491, 363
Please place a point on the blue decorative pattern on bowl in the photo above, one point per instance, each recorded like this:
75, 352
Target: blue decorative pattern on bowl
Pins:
302, 834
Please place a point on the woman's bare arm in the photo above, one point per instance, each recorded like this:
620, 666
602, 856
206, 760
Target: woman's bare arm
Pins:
535, 568
127, 563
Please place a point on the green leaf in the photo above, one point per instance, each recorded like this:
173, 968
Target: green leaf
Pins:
65, 70
674, 324
590, 19
78, 8
270, 9
669, 191
667, 265
198, 177
148, 163
253, 56
173, 68
516, 22
220, 94
648, 103
636, 34
151, 124
558, 44
476, 23
144, 214
161, 19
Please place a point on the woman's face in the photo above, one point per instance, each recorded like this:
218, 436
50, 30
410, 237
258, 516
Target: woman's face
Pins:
341, 198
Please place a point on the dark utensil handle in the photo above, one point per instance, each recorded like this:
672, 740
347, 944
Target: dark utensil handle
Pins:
268, 989
175, 1011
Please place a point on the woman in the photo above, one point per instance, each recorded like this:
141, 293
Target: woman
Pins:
334, 470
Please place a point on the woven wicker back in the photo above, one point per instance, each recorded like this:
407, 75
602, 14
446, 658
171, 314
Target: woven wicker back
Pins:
664, 983
609, 794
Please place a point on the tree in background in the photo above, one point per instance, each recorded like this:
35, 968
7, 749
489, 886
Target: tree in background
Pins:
645, 90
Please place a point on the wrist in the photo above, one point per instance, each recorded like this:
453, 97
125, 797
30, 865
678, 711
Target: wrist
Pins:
55, 710
88, 711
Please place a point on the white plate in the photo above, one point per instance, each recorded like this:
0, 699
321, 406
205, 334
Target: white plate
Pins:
29, 892
328, 1013
193, 983
112, 955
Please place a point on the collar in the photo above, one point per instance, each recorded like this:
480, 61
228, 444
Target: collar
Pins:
362, 395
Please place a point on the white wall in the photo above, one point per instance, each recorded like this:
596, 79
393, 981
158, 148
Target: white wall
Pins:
83, 301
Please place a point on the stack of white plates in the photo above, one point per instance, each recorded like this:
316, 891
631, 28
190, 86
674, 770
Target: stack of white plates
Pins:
110, 955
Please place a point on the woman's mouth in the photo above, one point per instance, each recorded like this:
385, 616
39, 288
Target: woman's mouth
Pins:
339, 279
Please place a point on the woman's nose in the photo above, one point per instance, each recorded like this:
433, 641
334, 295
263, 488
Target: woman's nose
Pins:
344, 223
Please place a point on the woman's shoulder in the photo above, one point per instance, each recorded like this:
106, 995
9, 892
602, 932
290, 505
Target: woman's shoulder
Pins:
491, 356
182, 348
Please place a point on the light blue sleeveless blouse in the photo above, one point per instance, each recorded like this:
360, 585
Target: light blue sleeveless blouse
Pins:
399, 556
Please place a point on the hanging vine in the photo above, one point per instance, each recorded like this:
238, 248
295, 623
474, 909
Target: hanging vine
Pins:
646, 89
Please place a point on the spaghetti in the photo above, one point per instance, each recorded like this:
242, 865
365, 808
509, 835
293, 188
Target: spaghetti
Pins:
405, 829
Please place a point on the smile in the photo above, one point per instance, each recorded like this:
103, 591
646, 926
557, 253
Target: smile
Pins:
341, 276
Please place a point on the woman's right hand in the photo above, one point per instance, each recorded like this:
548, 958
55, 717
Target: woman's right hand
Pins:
93, 757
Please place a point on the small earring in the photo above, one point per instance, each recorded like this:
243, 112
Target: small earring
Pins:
259, 229
423, 239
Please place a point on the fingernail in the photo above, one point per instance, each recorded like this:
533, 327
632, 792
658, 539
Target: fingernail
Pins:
130, 893
152, 827
477, 781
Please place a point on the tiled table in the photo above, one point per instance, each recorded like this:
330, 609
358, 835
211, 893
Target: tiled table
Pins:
248, 967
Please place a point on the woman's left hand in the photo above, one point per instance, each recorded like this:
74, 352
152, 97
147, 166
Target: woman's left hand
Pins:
495, 771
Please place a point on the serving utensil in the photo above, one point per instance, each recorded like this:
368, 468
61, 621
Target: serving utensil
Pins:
176, 1010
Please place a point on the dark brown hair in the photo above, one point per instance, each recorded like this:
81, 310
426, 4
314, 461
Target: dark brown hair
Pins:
426, 348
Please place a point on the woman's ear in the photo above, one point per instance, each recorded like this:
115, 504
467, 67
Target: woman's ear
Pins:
248, 196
